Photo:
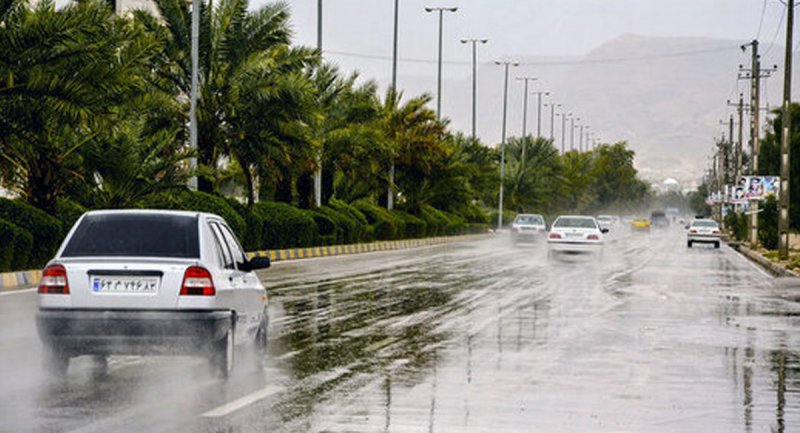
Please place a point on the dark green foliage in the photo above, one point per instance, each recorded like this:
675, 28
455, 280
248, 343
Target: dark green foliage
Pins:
46, 230
7, 237
768, 223
22, 247
387, 226
508, 217
737, 225
68, 212
347, 231
328, 232
251, 241
474, 214
285, 226
413, 227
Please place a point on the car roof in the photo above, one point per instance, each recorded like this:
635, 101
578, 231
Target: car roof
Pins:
703, 219
150, 212
577, 216
528, 214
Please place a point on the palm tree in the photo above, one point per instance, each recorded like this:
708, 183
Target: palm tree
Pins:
530, 181
253, 92
47, 115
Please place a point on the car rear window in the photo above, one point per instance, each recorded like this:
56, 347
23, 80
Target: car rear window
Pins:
581, 223
704, 224
529, 219
135, 235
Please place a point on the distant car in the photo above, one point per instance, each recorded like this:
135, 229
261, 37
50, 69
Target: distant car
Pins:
607, 221
575, 234
640, 224
528, 227
659, 219
703, 231
151, 282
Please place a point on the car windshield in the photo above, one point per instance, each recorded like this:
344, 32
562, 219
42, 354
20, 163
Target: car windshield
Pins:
704, 223
135, 235
575, 222
529, 219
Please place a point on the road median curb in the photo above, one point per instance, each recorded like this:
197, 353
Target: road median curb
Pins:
773, 268
10, 281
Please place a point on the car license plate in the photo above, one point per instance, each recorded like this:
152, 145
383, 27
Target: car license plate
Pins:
125, 285
574, 235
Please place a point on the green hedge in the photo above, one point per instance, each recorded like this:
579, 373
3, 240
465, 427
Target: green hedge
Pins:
46, 231
768, 223
413, 227
328, 232
68, 212
8, 233
285, 226
361, 230
254, 225
387, 226
346, 232
508, 217
198, 201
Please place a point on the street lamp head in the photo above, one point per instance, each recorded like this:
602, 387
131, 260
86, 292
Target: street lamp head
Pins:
498, 62
427, 9
453, 9
483, 40
464, 41
515, 63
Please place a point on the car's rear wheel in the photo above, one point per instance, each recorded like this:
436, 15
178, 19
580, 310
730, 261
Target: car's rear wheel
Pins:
55, 362
716, 244
689, 244
222, 354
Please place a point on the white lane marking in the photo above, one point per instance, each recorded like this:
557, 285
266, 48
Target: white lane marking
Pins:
750, 262
17, 292
239, 403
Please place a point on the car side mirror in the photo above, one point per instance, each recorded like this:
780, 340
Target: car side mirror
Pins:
686, 227
603, 230
255, 264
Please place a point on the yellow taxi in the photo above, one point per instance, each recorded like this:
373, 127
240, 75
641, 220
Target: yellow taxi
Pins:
640, 224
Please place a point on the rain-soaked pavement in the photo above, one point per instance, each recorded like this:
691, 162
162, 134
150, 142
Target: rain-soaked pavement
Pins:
473, 337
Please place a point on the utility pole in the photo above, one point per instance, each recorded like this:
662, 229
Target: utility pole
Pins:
539, 113
474, 42
318, 171
390, 189
786, 125
506, 65
738, 147
564, 130
572, 132
755, 101
580, 141
730, 152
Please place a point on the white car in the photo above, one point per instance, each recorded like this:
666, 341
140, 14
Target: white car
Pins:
527, 227
576, 234
703, 231
151, 282
607, 221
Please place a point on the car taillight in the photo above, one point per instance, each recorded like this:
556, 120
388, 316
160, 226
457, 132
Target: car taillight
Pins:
197, 282
693, 231
593, 237
54, 281
716, 232
555, 236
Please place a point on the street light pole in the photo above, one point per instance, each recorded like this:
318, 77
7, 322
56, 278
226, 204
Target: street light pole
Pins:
572, 132
390, 192
318, 171
506, 65
193, 94
441, 11
552, 118
525, 115
474, 42
564, 131
539, 112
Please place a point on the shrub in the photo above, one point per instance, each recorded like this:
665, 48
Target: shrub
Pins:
455, 224
768, 224
437, 221
387, 226
475, 214
361, 231
45, 229
345, 226
285, 226
328, 232
414, 227
8, 233
737, 224
251, 241
68, 212
508, 217
22, 247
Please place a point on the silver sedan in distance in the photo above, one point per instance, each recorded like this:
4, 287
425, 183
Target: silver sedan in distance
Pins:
528, 227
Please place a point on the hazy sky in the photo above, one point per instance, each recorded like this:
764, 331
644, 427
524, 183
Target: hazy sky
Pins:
517, 27
357, 35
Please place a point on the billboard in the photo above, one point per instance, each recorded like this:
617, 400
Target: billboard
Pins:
755, 188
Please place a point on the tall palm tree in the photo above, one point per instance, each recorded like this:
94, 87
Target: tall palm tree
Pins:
530, 179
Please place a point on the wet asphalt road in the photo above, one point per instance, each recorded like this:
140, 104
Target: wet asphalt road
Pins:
472, 337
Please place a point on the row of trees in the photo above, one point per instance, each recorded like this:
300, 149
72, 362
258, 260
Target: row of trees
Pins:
94, 112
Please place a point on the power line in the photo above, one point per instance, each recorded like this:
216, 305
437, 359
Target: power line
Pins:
777, 32
761, 21
546, 63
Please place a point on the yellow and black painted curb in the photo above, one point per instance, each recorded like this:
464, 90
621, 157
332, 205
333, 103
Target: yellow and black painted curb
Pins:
339, 250
19, 279
22, 279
